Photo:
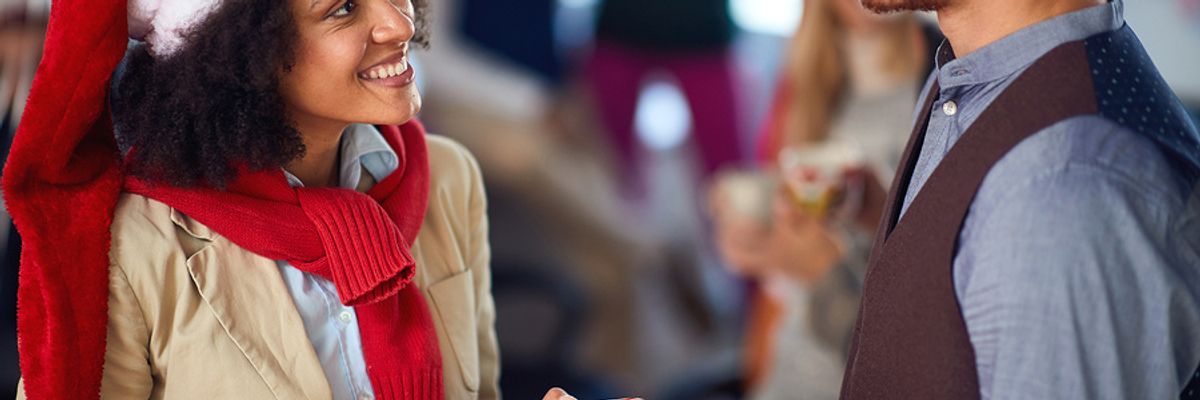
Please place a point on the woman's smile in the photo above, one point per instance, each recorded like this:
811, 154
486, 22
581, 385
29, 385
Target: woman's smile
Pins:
393, 72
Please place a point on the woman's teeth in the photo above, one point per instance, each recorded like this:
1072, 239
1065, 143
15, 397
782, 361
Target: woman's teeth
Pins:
386, 71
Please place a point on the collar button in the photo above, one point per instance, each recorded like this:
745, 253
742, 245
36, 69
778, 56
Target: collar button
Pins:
950, 108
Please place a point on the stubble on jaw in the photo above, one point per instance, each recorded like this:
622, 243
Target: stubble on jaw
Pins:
891, 6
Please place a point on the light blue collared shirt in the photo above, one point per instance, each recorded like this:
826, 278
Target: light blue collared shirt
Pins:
331, 326
1078, 264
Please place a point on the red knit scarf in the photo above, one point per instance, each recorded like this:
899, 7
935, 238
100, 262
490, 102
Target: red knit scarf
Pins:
358, 241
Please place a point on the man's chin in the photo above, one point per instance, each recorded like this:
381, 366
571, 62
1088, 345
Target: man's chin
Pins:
891, 6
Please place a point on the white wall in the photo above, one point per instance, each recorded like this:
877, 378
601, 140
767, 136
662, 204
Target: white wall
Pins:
1170, 30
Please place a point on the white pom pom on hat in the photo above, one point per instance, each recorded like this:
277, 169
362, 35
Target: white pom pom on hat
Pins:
163, 23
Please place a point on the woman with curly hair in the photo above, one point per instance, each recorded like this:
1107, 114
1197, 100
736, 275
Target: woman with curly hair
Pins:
247, 209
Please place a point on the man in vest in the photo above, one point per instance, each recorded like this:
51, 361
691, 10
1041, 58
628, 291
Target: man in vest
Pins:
1042, 238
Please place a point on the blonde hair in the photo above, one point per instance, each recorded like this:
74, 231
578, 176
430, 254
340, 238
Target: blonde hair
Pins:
816, 72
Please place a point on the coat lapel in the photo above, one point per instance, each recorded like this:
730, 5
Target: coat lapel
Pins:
247, 295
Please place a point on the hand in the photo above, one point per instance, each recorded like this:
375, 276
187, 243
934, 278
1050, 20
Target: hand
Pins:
557, 394
801, 245
740, 239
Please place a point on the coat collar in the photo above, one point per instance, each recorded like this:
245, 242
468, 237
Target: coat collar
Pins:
236, 284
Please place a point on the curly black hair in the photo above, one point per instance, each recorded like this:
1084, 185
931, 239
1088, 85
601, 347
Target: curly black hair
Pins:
192, 118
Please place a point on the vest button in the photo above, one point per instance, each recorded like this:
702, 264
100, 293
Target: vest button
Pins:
950, 108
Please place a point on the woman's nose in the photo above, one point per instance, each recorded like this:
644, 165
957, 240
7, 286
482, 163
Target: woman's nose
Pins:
391, 24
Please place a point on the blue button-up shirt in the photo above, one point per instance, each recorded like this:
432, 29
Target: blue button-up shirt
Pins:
331, 326
1078, 264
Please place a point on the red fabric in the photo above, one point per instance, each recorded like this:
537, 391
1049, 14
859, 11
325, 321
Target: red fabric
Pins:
359, 241
61, 184
770, 139
707, 79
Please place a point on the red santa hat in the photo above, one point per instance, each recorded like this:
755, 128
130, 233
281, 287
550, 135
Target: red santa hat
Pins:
163, 24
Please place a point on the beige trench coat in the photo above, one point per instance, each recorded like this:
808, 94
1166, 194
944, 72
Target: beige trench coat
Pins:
193, 316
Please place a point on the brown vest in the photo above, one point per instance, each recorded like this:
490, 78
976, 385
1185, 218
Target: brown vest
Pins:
910, 341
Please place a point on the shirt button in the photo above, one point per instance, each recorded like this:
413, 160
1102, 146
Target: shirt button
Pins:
950, 108
365, 397
345, 316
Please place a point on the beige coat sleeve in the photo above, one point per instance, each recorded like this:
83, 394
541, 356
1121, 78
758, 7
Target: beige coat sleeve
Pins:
479, 260
126, 359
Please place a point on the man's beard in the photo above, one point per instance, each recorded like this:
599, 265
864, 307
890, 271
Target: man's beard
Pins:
889, 6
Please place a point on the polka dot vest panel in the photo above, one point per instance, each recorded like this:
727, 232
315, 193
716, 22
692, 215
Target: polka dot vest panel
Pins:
1192, 391
1130, 91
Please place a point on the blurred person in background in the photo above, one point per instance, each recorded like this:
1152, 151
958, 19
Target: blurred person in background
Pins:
688, 39
505, 88
22, 29
850, 81
688, 45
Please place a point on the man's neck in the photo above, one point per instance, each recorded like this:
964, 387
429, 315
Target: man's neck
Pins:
970, 25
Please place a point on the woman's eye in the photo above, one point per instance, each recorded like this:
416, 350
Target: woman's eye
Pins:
345, 9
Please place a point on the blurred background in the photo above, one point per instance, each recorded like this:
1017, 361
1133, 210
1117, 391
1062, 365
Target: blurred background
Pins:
634, 152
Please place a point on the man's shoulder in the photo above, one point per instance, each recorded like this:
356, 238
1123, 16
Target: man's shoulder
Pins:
1089, 185
1090, 151
1086, 196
